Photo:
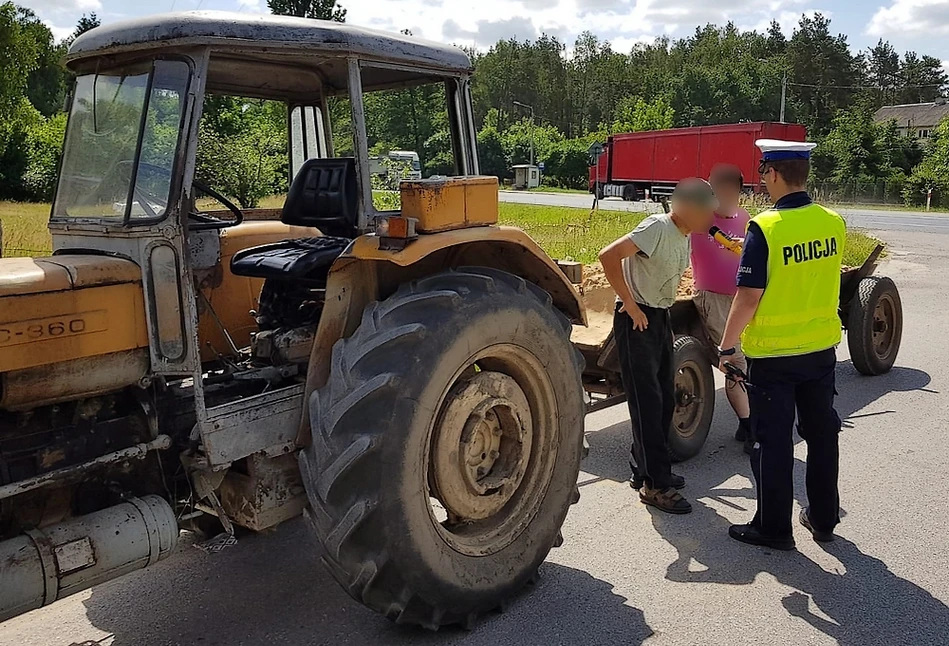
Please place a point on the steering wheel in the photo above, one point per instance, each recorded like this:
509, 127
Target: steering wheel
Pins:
208, 222
146, 199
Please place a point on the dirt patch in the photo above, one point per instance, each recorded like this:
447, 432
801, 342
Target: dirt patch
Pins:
596, 287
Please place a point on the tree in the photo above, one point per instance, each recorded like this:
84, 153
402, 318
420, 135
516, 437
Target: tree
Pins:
86, 22
44, 143
883, 71
242, 148
777, 43
317, 9
567, 164
635, 115
491, 153
46, 83
824, 70
921, 79
851, 146
932, 174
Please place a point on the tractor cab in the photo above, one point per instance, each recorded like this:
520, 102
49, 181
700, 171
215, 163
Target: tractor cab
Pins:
141, 176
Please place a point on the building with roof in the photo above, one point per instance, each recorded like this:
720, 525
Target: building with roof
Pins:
914, 119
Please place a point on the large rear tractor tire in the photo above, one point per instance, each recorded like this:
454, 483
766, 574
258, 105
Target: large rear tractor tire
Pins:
695, 399
446, 447
875, 325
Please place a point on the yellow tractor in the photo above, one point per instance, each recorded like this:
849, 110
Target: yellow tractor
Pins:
404, 378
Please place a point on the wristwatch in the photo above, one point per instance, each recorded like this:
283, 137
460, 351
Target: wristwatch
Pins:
726, 353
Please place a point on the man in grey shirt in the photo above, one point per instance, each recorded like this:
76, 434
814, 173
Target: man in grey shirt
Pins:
644, 268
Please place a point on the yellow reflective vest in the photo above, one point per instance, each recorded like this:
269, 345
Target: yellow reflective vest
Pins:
798, 311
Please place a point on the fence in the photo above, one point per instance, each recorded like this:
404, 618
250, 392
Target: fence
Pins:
883, 192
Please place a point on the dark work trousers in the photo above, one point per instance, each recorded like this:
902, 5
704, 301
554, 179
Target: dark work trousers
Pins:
804, 383
649, 381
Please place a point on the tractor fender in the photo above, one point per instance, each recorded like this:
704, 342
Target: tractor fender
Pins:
364, 273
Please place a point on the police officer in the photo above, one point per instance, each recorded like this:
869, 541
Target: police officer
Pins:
785, 313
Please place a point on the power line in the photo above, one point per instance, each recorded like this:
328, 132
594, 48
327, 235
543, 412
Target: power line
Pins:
868, 87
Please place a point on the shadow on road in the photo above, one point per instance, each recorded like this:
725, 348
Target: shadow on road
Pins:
860, 604
856, 393
271, 589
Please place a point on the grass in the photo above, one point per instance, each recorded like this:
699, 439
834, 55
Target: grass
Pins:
24, 229
564, 233
568, 233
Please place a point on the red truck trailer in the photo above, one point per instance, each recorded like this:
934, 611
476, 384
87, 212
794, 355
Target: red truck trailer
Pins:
635, 162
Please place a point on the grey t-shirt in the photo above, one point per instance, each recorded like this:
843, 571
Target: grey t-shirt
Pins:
654, 273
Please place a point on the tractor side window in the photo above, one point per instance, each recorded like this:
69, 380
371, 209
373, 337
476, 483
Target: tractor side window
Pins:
166, 106
243, 154
121, 142
409, 137
99, 152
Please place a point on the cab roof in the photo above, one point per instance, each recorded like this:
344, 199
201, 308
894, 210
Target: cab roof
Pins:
236, 32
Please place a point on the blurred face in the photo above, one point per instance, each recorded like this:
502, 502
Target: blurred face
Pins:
728, 193
696, 216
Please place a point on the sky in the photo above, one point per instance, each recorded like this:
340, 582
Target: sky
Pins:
918, 25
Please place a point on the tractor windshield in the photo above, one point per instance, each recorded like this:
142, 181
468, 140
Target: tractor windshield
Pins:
121, 143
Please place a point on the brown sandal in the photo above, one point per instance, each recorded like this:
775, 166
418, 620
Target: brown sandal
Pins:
667, 500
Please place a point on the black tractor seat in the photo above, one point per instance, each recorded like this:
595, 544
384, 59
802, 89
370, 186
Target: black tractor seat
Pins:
307, 259
323, 196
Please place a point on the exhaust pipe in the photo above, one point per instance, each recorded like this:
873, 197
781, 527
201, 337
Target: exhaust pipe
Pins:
47, 564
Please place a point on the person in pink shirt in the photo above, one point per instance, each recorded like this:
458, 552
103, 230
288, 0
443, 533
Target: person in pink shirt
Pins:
715, 270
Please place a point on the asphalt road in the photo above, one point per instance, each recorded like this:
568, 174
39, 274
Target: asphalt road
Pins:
628, 575
875, 219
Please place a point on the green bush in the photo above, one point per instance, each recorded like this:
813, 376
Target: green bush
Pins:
567, 164
246, 166
491, 153
44, 144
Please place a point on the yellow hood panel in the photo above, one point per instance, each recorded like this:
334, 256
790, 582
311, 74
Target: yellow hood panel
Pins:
68, 307
28, 276
21, 276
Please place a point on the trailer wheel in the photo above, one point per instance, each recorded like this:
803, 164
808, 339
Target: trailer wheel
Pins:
598, 192
629, 193
695, 399
446, 446
875, 325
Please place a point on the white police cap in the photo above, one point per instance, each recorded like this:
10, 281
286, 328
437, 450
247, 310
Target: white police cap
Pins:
777, 150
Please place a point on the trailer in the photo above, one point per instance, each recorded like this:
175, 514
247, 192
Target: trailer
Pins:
638, 165
870, 311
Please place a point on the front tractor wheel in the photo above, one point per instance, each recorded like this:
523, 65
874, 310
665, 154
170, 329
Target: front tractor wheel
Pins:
446, 446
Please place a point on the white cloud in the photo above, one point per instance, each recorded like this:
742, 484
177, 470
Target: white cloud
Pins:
59, 33
911, 18
62, 6
623, 22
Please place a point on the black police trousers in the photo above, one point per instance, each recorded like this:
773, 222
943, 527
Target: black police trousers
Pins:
646, 366
781, 385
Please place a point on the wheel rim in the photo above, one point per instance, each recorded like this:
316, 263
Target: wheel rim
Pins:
689, 396
492, 451
883, 337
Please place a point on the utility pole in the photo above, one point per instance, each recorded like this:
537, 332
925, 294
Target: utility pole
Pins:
784, 93
524, 105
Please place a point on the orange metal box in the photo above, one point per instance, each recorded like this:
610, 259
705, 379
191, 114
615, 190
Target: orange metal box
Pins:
446, 203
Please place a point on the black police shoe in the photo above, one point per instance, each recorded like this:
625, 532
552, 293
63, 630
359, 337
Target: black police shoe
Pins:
753, 536
820, 536
636, 482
